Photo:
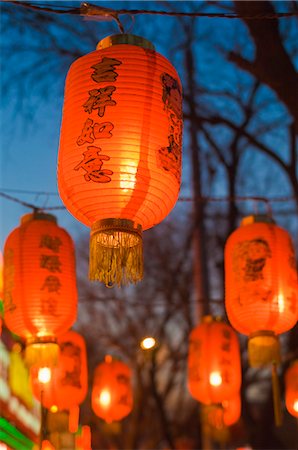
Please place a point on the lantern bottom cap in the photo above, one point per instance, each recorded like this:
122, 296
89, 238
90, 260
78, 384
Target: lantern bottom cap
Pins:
42, 352
116, 252
263, 349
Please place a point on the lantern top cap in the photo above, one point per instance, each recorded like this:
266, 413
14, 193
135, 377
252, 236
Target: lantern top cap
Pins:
108, 359
207, 319
254, 218
118, 39
38, 216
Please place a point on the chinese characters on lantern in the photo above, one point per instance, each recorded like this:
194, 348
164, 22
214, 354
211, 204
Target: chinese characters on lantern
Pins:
99, 99
225, 358
195, 360
51, 284
72, 361
170, 157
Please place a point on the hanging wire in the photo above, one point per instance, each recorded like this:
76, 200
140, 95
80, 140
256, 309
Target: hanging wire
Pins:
30, 205
254, 199
87, 9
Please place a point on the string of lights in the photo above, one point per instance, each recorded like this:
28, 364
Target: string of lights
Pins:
87, 9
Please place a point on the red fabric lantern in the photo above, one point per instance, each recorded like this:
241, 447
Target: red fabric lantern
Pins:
291, 389
66, 385
261, 285
112, 398
40, 294
214, 367
119, 162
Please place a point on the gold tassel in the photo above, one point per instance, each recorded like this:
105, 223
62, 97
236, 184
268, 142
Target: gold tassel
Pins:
116, 252
276, 396
40, 352
263, 348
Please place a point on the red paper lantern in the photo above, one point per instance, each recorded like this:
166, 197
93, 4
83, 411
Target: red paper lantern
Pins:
40, 295
119, 162
291, 389
214, 367
1, 276
225, 414
112, 398
65, 385
231, 410
261, 285
1, 292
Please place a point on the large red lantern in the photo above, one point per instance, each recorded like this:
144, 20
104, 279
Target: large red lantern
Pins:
261, 286
119, 162
112, 398
214, 366
291, 389
40, 295
64, 386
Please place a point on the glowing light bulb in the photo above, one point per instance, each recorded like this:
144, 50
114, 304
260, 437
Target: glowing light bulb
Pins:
281, 303
44, 375
54, 408
105, 398
295, 406
215, 379
147, 343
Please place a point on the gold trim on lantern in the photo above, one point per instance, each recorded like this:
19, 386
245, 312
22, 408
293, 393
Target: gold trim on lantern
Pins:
116, 252
43, 351
260, 218
130, 39
38, 216
263, 349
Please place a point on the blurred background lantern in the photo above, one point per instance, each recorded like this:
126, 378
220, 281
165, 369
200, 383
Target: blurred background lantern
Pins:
1, 291
214, 366
40, 294
112, 398
231, 410
1, 275
64, 386
291, 389
261, 286
119, 162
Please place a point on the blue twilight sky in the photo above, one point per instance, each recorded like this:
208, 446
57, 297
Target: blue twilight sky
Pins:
31, 106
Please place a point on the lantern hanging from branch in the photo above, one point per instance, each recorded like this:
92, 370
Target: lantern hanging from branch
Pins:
40, 295
261, 286
65, 387
112, 398
119, 162
291, 389
214, 367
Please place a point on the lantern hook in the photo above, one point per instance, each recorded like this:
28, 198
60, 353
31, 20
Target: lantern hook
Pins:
100, 13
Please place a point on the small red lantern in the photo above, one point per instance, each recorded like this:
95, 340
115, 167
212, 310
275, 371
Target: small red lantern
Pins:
1, 276
291, 389
119, 162
231, 410
225, 414
261, 286
64, 386
40, 294
214, 366
112, 398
